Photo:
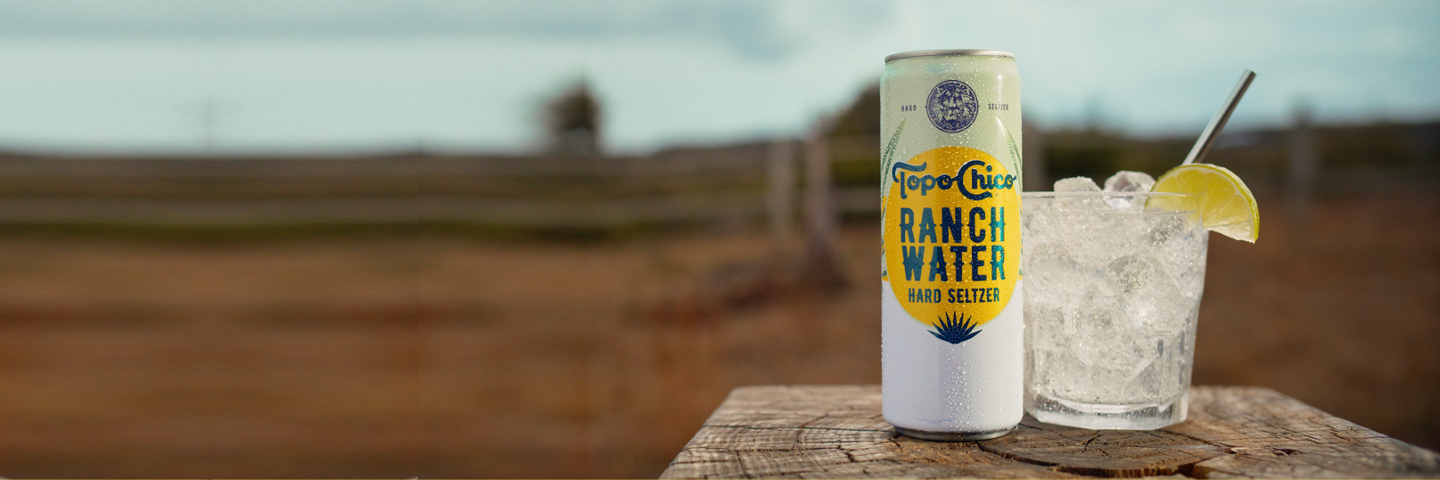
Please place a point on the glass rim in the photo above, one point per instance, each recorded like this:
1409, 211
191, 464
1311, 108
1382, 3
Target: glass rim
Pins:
1102, 194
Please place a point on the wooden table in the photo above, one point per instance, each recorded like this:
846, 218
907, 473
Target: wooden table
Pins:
838, 431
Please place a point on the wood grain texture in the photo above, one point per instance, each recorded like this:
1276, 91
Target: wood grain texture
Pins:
838, 432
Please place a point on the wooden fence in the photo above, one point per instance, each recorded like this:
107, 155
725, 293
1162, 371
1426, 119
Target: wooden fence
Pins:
739, 184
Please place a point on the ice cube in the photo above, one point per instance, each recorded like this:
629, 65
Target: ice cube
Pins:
1127, 181
1076, 184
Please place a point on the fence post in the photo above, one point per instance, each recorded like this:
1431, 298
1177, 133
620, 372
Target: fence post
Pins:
820, 212
1032, 153
780, 191
1304, 168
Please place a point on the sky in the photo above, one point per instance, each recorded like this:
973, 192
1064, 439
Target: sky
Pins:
287, 76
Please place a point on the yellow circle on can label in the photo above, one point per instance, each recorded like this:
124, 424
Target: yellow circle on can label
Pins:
952, 238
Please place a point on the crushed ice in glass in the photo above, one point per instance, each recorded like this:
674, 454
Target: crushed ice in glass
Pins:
1125, 181
1111, 296
1076, 184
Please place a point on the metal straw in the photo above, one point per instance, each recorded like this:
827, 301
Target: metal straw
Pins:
1202, 146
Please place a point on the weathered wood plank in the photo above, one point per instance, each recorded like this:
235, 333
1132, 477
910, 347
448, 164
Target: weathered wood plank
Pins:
1104, 453
1270, 435
838, 432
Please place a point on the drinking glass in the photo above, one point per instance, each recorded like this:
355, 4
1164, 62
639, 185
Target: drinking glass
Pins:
1112, 291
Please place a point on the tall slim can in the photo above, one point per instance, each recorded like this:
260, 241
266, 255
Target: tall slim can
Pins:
952, 350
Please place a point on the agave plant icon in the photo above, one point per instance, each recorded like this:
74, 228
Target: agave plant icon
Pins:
954, 328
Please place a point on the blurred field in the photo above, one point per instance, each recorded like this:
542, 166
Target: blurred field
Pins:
568, 317
602, 360
1343, 313
558, 359
126, 359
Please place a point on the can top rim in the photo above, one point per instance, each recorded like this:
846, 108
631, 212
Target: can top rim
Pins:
936, 53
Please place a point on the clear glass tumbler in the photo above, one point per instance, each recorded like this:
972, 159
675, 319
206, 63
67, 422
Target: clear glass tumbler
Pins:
1112, 290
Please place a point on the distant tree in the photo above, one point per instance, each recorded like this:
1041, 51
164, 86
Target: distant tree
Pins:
573, 120
857, 163
862, 118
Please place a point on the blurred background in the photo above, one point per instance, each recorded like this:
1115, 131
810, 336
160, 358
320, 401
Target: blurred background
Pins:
371, 238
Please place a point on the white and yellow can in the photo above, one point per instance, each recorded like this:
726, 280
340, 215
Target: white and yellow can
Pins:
951, 293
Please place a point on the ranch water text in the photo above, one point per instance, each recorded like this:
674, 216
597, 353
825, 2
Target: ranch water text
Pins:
961, 243
951, 236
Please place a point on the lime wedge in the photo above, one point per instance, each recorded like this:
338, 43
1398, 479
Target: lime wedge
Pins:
1218, 194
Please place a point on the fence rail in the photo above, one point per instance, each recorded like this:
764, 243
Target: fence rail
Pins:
725, 185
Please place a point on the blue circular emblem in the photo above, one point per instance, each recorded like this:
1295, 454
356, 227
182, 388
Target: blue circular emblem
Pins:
952, 106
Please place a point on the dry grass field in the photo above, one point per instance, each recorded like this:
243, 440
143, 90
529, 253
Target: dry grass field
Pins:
303, 357
123, 359
601, 360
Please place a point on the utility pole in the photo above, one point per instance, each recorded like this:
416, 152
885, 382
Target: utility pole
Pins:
209, 118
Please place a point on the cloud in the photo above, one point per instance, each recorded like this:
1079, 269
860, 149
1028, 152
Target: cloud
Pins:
90, 18
756, 28
470, 73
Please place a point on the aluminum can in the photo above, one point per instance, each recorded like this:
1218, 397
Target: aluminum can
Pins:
951, 295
